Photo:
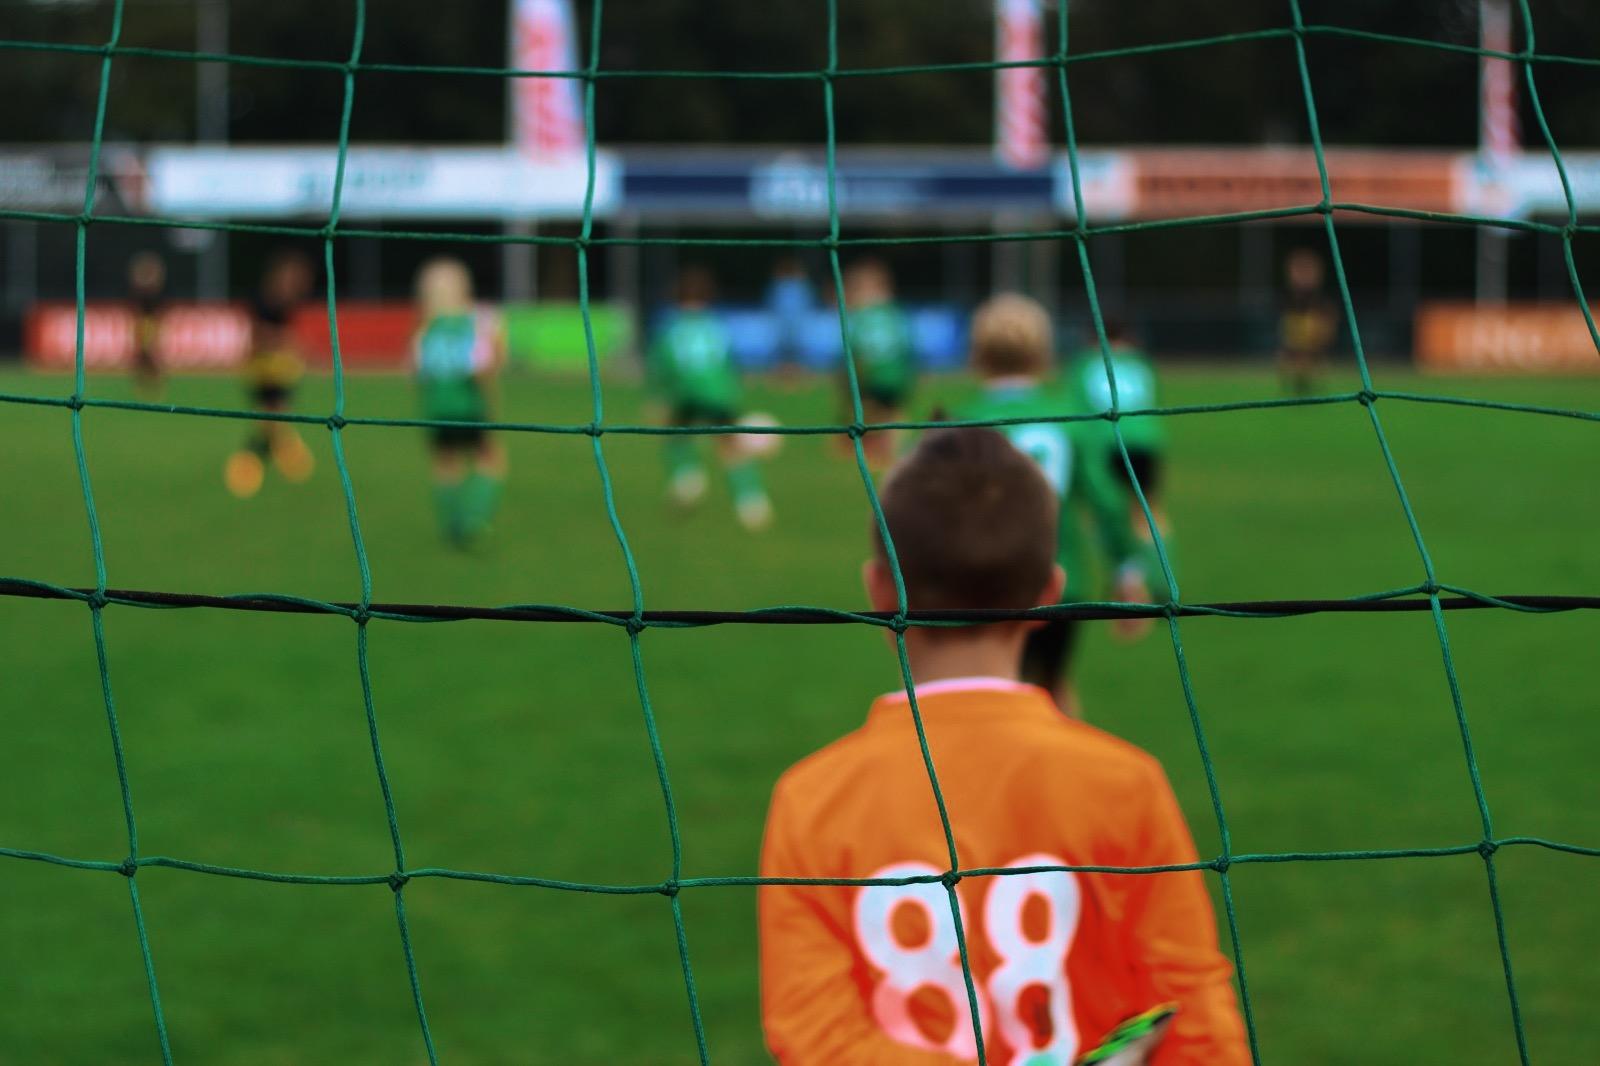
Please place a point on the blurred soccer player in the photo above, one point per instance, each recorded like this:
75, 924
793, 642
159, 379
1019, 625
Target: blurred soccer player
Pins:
1308, 323
880, 343
692, 372
458, 352
790, 301
1011, 354
1138, 389
272, 370
873, 974
147, 281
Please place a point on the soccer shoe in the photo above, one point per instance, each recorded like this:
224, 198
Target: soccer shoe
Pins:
755, 513
292, 458
688, 487
243, 474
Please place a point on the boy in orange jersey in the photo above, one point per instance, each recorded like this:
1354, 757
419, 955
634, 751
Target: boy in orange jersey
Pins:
857, 975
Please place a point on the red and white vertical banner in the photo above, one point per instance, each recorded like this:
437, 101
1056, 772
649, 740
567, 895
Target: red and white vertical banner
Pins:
1019, 101
546, 113
1499, 132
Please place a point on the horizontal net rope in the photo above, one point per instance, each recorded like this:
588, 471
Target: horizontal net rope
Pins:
1025, 236
975, 66
390, 878
1390, 601
1436, 597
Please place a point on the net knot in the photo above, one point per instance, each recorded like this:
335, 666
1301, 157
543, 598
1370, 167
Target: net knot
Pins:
97, 600
328, 231
1222, 864
85, 218
856, 430
594, 429
128, 867
669, 888
634, 625
1111, 414
1367, 397
950, 878
1487, 848
75, 402
898, 623
1430, 587
398, 880
361, 615
336, 421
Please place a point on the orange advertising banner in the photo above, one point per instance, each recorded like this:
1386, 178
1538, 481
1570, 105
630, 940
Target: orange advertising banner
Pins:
1172, 183
1518, 337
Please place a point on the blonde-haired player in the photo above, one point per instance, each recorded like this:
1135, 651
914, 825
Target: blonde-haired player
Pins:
1012, 352
458, 351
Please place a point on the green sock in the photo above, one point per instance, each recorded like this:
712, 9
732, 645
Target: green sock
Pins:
479, 496
744, 479
447, 502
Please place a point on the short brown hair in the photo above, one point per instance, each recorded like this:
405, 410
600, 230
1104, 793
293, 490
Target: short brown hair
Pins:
973, 522
1011, 335
695, 285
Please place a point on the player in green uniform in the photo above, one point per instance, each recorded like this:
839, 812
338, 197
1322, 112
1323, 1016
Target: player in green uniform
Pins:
458, 351
1145, 437
692, 373
880, 344
1011, 352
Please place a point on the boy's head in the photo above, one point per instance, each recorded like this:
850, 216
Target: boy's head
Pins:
973, 523
868, 282
147, 274
1304, 270
288, 277
696, 288
1119, 334
444, 287
1011, 337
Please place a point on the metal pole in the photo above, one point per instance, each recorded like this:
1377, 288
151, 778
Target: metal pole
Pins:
211, 109
1497, 137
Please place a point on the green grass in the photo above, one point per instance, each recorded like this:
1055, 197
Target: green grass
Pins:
521, 748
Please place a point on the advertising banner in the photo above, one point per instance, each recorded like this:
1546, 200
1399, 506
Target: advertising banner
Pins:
214, 336
1519, 337
491, 183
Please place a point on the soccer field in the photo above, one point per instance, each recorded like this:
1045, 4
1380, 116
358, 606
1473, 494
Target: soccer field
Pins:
521, 748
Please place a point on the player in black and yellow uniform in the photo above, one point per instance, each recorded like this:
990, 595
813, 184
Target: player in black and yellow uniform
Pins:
271, 372
1308, 324
147, 277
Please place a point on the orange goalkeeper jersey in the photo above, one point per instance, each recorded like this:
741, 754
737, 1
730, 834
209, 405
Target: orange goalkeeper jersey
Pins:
858, 975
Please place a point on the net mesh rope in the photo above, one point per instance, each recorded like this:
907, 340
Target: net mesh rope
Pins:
1428, 594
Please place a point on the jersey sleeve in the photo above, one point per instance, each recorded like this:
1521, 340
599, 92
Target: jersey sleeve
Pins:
812, 1008
1172, 944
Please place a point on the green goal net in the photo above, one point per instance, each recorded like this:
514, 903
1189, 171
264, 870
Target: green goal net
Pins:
1428, 594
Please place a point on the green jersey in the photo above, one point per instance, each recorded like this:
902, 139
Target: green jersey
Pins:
1136, 391
880, 341
691, 362
452, 352
1072, 457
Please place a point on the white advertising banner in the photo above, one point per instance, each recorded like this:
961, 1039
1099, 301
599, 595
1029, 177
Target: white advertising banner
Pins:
402, 183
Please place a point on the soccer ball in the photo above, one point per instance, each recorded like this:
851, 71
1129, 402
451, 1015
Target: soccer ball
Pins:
759, 445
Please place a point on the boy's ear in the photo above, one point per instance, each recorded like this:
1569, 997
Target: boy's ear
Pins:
877, 579
1052, 589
